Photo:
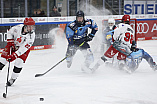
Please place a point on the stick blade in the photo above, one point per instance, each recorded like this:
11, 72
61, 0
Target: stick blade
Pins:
39, 75
4, 95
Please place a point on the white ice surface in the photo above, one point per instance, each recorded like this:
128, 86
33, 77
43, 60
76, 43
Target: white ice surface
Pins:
71, 86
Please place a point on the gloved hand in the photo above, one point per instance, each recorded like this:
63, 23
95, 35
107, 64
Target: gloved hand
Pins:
10, 42
71, 50
89, 37
133, 46
12, 57
8, 48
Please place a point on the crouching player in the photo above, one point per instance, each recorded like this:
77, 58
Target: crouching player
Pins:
135, 58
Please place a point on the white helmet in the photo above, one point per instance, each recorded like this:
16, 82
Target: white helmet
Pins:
111, 22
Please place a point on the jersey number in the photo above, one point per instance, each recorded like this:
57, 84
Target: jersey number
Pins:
27, 46
128, 37
19, 39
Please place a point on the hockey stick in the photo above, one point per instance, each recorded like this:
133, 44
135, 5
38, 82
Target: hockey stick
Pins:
39, 75
5, 94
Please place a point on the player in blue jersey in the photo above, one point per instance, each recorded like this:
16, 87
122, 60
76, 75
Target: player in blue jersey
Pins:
135, 58
78, 38
107, 35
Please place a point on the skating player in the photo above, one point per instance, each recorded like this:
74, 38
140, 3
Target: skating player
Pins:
19, 40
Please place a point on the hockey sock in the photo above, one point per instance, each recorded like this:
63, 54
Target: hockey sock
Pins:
16, 72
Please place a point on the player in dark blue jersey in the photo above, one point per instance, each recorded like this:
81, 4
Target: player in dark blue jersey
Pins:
135, 58
78, 36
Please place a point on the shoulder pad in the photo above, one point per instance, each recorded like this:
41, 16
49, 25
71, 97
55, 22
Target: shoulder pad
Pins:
88, 22
72, 24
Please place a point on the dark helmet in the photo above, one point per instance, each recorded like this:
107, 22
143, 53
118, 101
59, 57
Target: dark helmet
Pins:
80, 13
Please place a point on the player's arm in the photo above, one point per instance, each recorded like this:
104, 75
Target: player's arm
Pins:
10, 36
69, 35
10, 43
26, 45
94, 27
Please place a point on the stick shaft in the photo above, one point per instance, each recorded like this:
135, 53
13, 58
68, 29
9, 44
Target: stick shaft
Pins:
38, 75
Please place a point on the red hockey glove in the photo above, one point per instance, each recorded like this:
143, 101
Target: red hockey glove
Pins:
10, 42
12, 57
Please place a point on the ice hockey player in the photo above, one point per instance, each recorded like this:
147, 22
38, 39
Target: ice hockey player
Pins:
135, 58
107, 37
19, 40
122, 40
78, 38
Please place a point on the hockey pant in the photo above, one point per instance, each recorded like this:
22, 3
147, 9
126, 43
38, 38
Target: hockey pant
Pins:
112, 51
89, 58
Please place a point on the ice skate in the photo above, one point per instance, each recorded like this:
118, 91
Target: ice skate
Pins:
86, 69
69, 64
154, 67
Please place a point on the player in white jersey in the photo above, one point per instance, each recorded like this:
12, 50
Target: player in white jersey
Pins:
19, 40
122, 39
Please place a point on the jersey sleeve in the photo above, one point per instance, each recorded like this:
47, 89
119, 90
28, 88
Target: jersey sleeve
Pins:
10, 33
26, 45
94, 27
70, 33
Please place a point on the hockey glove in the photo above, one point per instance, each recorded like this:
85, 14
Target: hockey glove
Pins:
89, 37
10, 43
133, 46
12, 57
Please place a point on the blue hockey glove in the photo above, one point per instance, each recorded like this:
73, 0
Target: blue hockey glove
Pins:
89, 37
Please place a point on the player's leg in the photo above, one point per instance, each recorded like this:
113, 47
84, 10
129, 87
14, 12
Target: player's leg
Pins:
18, 67
108, 54
149, 59
16, 71
121, 63
71, 51
89, 58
